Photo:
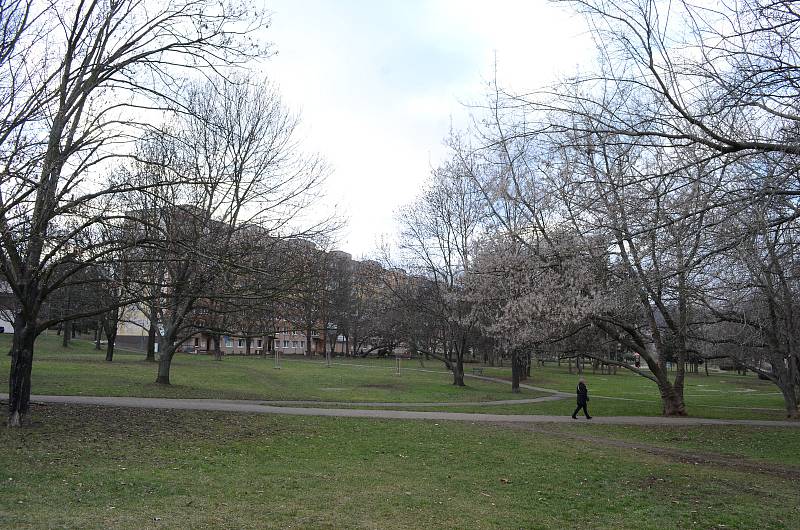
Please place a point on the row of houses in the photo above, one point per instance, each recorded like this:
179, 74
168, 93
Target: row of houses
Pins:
133, 328
288, 338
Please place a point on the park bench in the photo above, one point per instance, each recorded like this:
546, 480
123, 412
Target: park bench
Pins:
477, 371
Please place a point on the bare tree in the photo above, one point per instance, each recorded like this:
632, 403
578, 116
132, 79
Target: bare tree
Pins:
239, 185
437, 240
723, 77
752, 307
76, 75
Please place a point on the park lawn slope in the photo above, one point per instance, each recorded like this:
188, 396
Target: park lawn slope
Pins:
87, 467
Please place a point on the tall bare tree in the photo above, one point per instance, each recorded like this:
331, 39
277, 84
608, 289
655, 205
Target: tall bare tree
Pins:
238, 187
437, 239
80, 79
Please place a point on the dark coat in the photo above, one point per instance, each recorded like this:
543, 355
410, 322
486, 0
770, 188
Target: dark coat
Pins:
583, 394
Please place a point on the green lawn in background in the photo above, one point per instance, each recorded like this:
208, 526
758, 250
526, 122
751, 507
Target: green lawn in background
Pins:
80, 369
87, 467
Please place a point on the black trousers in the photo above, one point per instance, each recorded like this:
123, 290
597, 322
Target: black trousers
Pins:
581, 406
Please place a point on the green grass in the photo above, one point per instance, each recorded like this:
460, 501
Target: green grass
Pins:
84, 467
81, 370
719, 395
764, 444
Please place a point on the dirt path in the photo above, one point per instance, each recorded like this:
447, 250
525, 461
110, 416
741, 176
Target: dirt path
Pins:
262, 408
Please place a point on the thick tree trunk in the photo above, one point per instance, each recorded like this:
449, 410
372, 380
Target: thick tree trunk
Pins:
309, 352
164, 363
458, 372
789, 397
247, 343
19, 380
790, 400
672, 400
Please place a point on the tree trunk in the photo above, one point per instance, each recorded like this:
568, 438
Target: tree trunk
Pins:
217, 350
458, 372
112, 339
790, 401
247, 342
458, 369
515, 372
308, 341
789, 398
151, 338
67, 334
98, 335
19, 380
164, 362
672, 400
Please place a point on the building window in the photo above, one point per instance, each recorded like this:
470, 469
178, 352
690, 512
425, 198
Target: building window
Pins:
228, 342
258, 343
302, 344
294, 344
196, 341
286, 344
241, 343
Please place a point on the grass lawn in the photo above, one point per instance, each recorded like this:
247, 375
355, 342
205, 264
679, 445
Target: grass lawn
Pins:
80, 369
719, 395
762, 444
85, 467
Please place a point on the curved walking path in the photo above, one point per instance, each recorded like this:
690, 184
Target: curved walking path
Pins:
283, 402
261, 408
556, 396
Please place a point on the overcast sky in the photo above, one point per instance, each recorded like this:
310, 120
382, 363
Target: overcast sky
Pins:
379, 82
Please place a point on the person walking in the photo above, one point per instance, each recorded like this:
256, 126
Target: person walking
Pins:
583, 399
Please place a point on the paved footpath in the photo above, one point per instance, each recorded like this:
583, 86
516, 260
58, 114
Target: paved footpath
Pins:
262, 408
